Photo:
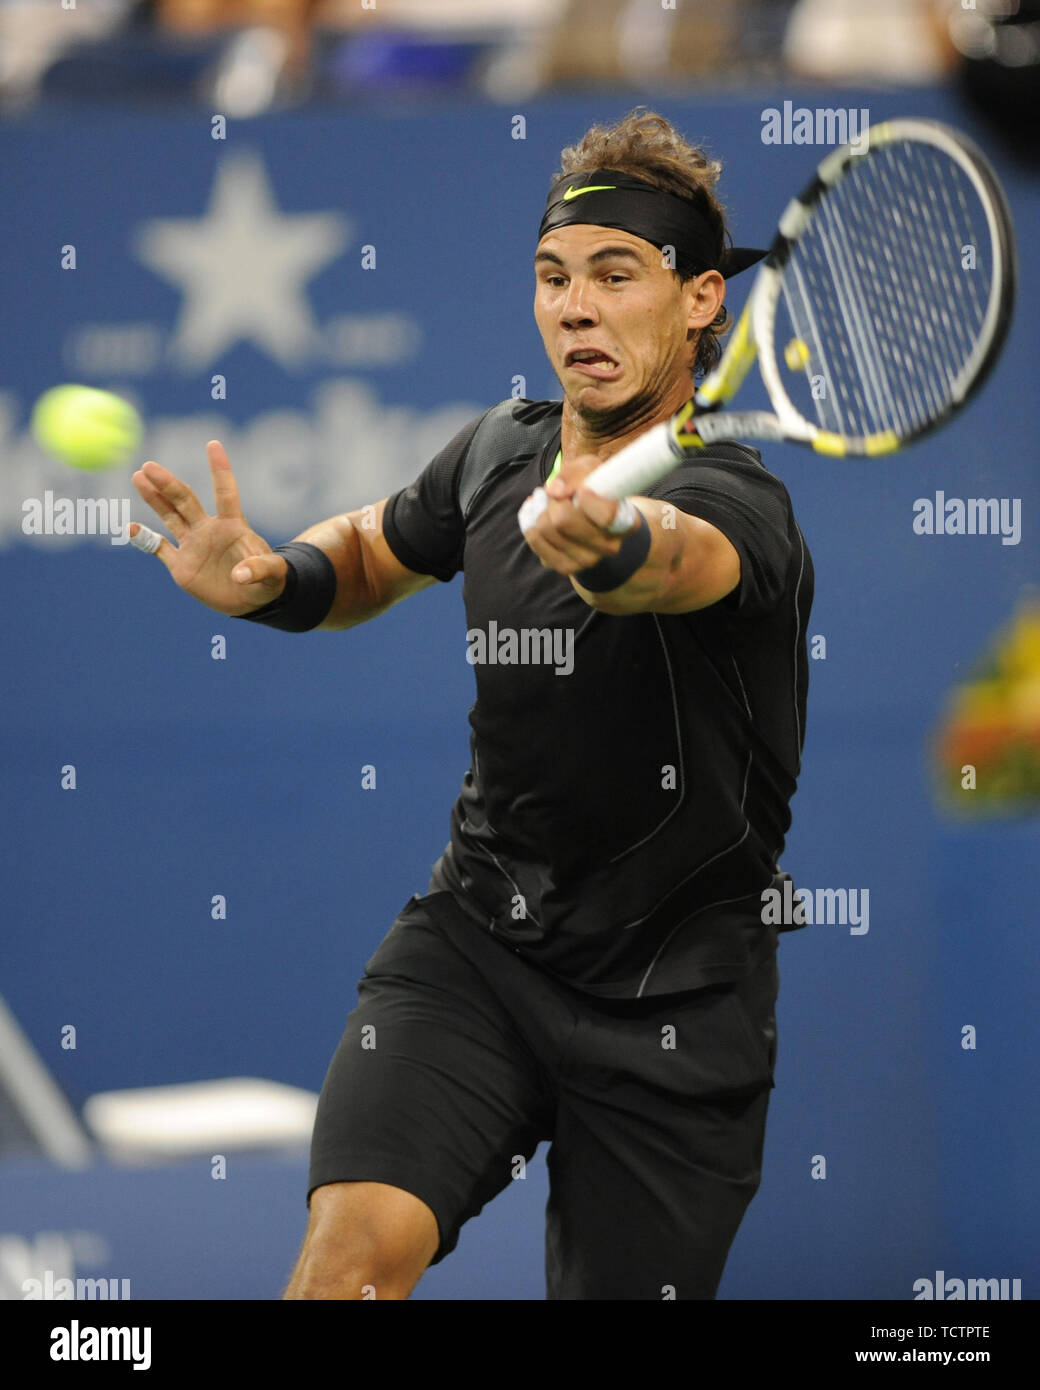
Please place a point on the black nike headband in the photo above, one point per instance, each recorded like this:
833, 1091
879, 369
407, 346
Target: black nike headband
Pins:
607, 198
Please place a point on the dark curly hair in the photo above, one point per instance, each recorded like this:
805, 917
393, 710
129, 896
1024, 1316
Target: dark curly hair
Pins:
648, 147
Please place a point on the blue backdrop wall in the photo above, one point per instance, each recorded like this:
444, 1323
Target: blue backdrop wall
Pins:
243, 258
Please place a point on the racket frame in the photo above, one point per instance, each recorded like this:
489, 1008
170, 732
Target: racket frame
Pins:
754, 334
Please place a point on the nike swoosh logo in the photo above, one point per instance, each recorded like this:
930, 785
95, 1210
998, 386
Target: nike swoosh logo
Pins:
589, 188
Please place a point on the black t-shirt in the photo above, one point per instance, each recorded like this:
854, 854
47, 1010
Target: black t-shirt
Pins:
628, 795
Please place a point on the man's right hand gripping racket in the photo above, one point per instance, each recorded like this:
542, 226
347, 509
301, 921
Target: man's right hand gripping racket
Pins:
886, 294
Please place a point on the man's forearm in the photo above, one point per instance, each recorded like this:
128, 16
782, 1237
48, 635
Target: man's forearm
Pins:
689, 566
369, 577
337, 537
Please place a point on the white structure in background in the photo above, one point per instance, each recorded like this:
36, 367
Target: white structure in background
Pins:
149, 1124
158, 1123
35, 1117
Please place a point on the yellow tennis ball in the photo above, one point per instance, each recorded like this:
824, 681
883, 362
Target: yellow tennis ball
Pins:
796, 354
86, 428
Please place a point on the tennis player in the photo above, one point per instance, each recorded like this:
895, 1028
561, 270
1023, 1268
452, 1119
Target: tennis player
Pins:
588, 965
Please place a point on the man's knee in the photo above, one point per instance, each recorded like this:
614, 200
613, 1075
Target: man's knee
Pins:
365, 1240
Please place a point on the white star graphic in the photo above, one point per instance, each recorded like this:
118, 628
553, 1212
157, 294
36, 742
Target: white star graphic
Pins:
243, 268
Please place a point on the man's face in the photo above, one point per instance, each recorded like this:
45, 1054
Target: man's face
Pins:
608, 292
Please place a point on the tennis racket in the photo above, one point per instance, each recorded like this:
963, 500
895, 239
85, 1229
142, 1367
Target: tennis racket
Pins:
881, 307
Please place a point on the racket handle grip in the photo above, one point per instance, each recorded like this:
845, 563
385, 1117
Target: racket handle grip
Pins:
637, 466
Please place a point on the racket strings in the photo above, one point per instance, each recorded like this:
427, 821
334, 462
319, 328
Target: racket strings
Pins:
879, 291
867, 366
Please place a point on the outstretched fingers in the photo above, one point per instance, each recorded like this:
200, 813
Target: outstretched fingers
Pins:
178, 502
225, 489
150, 488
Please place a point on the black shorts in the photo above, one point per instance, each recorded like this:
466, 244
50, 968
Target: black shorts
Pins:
461, 1057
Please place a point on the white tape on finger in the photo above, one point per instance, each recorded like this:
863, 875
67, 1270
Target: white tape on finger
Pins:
146, 540
624, 518
532, 509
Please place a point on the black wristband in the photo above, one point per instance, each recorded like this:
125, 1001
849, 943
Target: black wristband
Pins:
310, 588
614, 570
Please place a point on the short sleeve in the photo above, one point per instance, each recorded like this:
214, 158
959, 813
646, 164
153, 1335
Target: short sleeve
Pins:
423, 524
730, 488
